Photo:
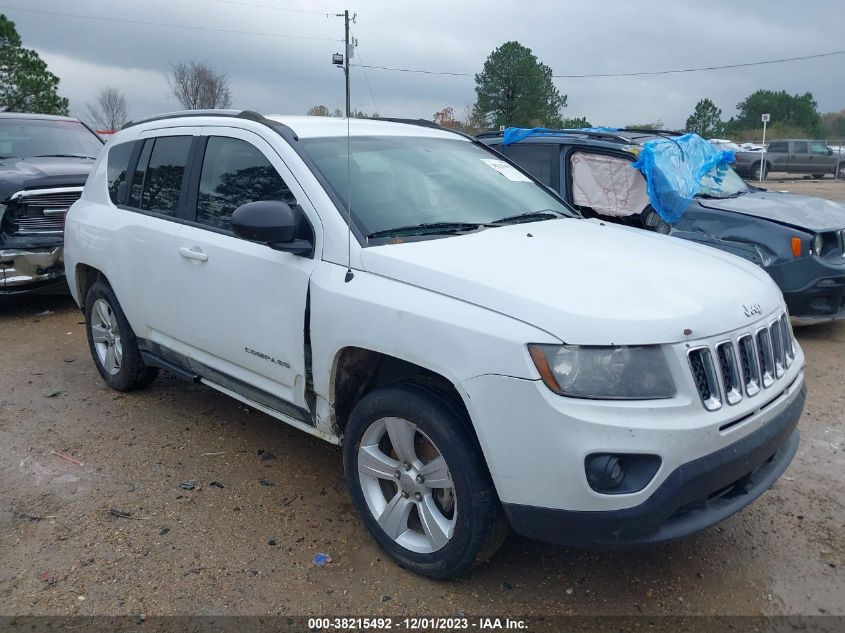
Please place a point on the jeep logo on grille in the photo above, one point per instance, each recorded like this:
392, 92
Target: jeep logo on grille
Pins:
752, 308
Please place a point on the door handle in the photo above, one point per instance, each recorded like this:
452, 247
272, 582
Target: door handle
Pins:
193, 253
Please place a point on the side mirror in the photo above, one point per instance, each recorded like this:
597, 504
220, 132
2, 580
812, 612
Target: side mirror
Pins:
123, 192
272, 222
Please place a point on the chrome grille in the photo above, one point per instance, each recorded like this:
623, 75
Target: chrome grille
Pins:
41, 211
729, 372
750, 365
744, 365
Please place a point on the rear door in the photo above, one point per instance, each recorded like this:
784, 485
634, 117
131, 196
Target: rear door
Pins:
144, 229
799, 157
241, 303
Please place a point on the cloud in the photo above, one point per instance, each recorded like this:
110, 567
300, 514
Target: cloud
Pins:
281, 75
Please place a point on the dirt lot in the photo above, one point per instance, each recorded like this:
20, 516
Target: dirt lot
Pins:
245, 547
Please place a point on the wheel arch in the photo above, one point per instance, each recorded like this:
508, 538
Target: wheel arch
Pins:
357, 371
86, 276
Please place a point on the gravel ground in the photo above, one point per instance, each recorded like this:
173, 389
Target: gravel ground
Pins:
111, 531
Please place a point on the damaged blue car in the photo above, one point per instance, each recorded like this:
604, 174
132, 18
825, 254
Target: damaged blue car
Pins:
680, 185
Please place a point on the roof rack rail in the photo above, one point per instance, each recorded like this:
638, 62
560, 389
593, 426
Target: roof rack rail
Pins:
241, 114
569, 132
646, 130
249, 115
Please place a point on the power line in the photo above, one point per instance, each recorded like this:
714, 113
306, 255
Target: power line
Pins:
173, 26
367, 79
631, 74
695, 70
275, 8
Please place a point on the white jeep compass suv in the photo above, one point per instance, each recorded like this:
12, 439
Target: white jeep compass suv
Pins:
487, 358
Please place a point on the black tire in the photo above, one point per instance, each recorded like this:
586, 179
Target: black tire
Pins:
480, 525
132, 372
757, 167
818, 176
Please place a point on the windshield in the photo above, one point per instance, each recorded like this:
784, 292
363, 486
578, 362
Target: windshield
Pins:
401, 181
22, 138
722, 182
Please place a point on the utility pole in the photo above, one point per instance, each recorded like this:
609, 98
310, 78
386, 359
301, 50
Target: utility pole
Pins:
344, 59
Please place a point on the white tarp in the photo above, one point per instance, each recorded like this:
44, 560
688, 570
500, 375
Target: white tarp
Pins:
607, 184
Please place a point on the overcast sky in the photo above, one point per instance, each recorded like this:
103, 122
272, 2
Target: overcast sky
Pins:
274, 74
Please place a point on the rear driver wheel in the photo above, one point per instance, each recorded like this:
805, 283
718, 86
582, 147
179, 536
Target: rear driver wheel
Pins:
112, 342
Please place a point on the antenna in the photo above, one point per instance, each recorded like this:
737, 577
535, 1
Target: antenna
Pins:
349, 49
349, 273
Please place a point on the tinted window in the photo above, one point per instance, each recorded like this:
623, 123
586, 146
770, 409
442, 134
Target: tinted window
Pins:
536, 159
163, 183
140, 173
118, 164
21, 137
234, 173
799, 147
780, 146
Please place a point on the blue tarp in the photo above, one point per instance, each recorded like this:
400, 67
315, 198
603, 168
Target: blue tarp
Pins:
673, 168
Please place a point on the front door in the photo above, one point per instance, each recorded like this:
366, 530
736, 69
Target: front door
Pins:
822, 158
241, 304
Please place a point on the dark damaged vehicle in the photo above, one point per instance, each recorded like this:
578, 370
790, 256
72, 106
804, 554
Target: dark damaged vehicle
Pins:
44, 162
798, 240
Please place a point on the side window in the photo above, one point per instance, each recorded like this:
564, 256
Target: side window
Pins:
818, 148
118, 164
235, 172
534, 158
140, 173
607, 185
799, 147
780, 146
163, 181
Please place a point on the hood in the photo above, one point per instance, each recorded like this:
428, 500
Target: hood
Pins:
32, 173
586, 282
804, 212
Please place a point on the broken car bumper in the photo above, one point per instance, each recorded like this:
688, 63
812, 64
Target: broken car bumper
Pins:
31, 270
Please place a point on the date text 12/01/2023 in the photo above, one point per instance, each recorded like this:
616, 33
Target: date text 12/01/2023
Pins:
417, 623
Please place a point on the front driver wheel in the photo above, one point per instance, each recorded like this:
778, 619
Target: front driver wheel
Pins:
112, 342
419, 482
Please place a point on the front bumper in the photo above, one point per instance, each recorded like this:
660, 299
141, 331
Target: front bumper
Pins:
32, 270
814, 289
696, 495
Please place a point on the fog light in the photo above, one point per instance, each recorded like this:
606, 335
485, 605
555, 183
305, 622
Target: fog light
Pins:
605, 472
616, 474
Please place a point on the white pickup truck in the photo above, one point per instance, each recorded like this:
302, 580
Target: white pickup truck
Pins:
486, 357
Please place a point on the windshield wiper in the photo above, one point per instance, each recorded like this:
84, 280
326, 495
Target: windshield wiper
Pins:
426, 228
529, 216
65, 156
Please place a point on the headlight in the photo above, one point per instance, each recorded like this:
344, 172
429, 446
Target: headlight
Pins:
818, 243
612, 373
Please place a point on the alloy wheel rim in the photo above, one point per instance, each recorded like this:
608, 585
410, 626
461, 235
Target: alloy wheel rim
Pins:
407, 485
106, 336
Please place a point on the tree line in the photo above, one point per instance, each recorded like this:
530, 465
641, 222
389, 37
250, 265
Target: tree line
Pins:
514, 88
26, 85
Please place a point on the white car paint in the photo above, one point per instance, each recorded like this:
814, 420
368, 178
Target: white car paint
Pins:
464, 307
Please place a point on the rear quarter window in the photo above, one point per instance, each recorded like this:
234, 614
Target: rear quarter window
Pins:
534, 158
117, 167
